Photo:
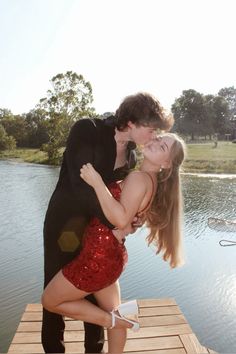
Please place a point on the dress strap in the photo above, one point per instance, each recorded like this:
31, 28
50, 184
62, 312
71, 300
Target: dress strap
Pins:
150, 200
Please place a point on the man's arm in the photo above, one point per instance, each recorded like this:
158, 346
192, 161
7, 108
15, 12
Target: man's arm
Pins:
80, 149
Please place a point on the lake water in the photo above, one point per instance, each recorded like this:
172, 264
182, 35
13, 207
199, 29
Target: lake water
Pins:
205, 288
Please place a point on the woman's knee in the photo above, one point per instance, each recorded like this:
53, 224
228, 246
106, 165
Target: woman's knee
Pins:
47, 302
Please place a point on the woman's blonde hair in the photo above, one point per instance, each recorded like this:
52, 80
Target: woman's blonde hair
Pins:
164, 217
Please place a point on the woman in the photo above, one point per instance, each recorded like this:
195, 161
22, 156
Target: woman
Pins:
153, 191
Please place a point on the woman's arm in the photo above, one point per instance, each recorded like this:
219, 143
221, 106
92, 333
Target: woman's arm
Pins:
119, 213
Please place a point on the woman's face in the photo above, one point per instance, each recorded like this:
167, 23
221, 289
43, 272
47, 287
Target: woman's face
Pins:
158, 150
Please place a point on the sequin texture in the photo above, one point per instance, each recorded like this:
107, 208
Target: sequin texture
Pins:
102, 258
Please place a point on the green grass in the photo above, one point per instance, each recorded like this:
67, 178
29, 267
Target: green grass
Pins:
206, 151
200, 157
24, 154
206, 158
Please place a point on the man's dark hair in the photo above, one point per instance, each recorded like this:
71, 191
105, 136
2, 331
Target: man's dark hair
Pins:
143, 109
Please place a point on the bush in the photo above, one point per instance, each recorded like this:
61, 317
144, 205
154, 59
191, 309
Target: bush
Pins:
6, 142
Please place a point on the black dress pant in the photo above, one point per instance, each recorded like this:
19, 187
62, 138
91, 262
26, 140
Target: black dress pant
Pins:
53, 333
53, 325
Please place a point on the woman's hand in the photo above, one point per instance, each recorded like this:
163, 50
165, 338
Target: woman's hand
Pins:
90, 175
120, 235
138, 221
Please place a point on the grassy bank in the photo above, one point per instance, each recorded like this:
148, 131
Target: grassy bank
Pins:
200, 157
207, 158
25, 155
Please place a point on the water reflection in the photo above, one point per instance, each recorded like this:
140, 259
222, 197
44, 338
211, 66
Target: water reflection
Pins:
204, 288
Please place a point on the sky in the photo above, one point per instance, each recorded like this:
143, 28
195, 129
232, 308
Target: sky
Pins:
121, 46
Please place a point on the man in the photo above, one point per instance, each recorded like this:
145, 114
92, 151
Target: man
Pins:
109, 146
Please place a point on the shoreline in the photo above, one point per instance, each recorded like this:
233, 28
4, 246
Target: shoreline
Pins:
187, 171
200, 158
210, 174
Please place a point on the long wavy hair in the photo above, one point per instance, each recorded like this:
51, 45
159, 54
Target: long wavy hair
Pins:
164, 217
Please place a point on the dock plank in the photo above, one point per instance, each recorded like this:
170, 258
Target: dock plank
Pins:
164, 330
192, 344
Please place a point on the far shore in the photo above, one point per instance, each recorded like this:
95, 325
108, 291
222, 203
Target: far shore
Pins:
201, 157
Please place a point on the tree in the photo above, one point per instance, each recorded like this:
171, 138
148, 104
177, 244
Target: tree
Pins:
69, 100
36, 127
220, 110
56, 135
71, 96
106, 115
229, 94
189, 115
5, 113
6, 142
14, 126
209, 112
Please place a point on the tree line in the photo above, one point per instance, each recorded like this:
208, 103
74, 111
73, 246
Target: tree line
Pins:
70, 98
48, 124
198, 115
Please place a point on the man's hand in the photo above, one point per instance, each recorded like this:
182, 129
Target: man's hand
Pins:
90, 175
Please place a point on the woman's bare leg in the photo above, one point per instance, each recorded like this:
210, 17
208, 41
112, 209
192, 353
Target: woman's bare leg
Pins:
108, 299
60, 296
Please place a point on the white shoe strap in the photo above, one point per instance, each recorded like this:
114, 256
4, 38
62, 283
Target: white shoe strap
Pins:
113, 320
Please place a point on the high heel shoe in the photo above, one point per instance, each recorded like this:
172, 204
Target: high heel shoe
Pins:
127, 308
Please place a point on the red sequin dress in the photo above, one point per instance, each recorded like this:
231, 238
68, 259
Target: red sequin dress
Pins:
102, 258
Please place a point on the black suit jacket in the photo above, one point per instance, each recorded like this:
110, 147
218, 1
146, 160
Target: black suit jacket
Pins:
74, 202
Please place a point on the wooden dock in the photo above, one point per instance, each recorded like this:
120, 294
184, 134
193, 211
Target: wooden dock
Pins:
164, 330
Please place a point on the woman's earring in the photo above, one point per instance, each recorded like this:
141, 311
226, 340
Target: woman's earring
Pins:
160, 169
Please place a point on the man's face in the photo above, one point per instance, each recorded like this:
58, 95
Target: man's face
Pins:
141, 135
